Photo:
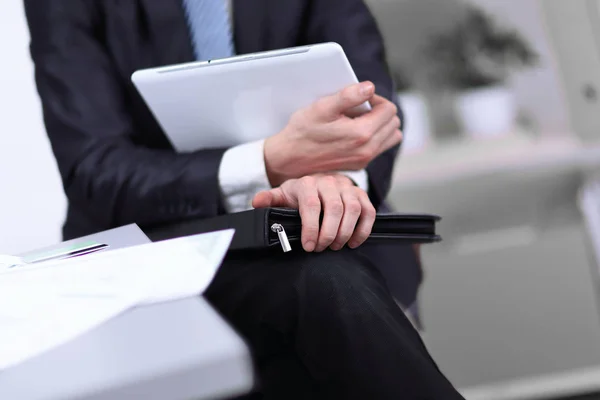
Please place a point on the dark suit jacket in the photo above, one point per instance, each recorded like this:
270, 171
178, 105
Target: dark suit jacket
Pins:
116, 164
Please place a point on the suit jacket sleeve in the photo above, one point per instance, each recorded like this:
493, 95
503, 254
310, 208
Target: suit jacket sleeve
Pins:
91, 130
351, 24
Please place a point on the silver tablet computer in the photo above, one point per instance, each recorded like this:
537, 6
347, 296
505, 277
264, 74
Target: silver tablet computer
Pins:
226, 102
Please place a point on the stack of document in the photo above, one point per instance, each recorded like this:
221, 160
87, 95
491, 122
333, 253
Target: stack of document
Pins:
48, 303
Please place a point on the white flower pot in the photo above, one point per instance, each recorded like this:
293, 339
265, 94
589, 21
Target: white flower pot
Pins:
417, 132
488, 112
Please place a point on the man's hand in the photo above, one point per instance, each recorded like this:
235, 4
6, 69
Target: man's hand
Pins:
324, 138
348, 214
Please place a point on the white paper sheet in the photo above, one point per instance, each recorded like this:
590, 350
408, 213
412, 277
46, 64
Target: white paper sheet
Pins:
45, 305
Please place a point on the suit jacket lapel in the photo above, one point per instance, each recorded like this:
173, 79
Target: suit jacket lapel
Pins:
170, 36
168, 30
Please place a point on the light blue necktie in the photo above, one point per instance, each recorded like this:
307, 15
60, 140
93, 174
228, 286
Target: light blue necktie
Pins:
210, 28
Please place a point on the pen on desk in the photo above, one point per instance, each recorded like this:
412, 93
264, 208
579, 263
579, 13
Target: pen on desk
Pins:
72, 252
8, 262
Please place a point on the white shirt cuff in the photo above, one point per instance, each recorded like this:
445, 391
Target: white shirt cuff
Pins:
360, 178
242, 175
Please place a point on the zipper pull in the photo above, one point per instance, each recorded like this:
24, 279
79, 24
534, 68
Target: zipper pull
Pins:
283, 239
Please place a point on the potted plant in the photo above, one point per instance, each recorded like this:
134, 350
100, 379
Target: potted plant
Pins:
473, 61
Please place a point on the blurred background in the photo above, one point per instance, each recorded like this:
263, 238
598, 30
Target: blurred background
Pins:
502, 140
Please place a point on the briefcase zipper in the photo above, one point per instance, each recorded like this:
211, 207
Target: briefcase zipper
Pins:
283, 238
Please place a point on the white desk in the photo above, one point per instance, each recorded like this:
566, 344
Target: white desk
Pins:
171, 351
179, 350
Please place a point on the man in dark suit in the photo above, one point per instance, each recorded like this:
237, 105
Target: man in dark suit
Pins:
320, 322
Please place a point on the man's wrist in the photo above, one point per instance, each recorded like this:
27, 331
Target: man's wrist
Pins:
241, 175
275, 161
360, 178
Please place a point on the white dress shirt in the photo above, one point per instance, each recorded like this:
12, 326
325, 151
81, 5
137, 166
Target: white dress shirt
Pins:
242, 173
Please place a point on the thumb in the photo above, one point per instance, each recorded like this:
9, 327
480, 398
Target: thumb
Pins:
269, 198
346, 99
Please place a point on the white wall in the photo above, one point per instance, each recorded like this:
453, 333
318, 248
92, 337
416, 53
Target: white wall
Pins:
32, 204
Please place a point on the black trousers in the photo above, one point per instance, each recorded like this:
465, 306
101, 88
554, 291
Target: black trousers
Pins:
324, 326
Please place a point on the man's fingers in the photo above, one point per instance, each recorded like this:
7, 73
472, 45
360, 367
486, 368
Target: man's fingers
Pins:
262, 200
377, 100
333, 211
270, 198
346, 99
310, 211
365, 222
352, 211
382, 113
389, 135
392, 140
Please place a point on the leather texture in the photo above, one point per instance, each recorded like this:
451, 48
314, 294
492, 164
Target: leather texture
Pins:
253, 228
